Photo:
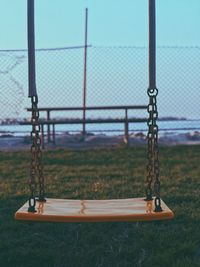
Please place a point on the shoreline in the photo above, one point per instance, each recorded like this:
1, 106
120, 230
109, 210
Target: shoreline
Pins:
78, 141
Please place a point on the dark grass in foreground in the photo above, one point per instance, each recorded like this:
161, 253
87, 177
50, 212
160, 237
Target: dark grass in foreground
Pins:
103, 173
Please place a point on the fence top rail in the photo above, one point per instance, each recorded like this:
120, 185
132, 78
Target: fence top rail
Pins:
90, 108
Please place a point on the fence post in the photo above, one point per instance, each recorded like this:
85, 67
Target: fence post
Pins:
126, 128
48, 127
85, 71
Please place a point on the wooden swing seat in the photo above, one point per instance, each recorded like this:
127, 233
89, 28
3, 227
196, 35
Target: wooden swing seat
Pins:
68, 210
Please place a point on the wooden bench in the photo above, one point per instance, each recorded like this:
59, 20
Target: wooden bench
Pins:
49, 121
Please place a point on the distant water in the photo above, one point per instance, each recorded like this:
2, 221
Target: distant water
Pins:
169, 127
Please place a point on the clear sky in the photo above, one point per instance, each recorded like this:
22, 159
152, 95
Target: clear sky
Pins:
111, 22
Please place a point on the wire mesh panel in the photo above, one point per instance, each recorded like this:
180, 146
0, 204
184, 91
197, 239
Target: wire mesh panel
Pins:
115, 76
178, 81
13, 75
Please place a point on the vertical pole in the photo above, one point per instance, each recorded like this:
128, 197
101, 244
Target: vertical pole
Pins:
152, 45
31, 49
85, 71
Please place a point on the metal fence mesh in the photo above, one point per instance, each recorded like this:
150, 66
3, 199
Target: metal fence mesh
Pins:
115, 76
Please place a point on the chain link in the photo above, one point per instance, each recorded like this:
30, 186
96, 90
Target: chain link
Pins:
36, 169
152, 153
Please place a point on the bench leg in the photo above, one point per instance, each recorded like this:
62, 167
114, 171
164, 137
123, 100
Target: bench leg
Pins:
54, 137
42, 139
126, 133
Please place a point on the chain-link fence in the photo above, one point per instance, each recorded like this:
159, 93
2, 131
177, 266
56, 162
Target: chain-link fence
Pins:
115, 76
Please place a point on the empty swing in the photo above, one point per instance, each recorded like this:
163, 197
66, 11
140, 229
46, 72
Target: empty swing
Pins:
147, 208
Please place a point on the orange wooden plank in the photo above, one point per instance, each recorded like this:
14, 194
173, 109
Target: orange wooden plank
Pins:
68, 210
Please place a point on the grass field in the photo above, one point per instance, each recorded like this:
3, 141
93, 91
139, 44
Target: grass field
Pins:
103, 173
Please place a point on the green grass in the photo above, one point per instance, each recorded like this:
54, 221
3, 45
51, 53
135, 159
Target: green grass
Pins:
103, 173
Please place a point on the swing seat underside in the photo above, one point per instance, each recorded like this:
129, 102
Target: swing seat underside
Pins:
68, 210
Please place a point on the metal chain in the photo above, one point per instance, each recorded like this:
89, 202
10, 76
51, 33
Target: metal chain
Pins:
36, 158
152, 154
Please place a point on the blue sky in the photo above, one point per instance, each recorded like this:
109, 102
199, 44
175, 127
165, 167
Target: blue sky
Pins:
60, 23
111, 22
